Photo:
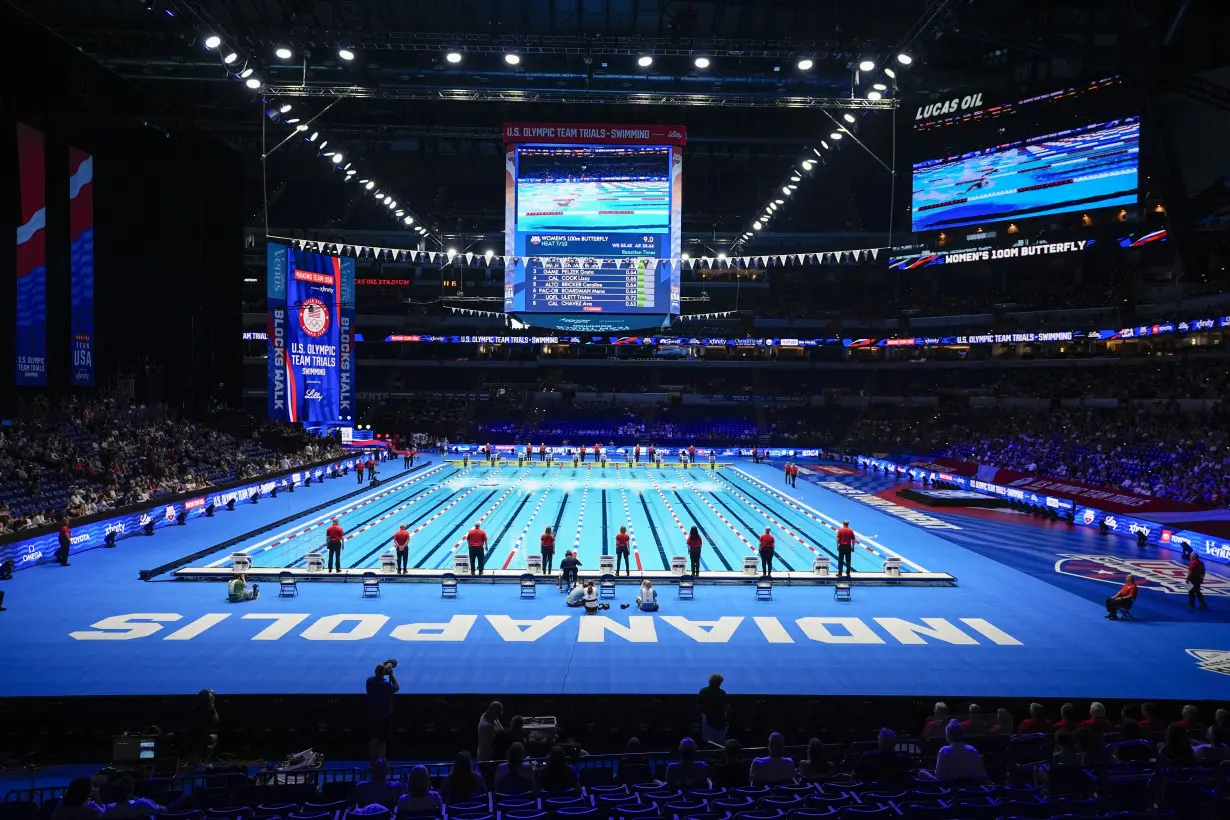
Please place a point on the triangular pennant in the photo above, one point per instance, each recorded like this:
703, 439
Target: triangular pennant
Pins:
875, 253
376, 252
781, 259
469, 258
432, 256
799, 258
764, 261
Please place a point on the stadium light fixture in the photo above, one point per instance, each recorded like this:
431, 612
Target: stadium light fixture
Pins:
488, 253
315, 134
836, 135
409, 220
300, 126
253, 83
825, 144
806, 64
346, 167
230, 58
685, 256
337, 159
867, 65
512, 59
645, 61
246, 73
285, 107
346, 54
796, 177
904, 59
701, 62
807, 166
816, 151
879, 86
773, 206
388, 198
283, 53
874, 95
451, 252
453, 57
848, 117
370, 185
351, 172
292, 121
213, 41
786, 190
392, 204
399, 213
892, 75
756, 226
322, 146
793, 187
721, 256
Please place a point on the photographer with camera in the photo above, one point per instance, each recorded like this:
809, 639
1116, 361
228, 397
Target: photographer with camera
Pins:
381, 687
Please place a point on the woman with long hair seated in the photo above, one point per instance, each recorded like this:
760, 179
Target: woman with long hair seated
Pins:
463, 783
420, 797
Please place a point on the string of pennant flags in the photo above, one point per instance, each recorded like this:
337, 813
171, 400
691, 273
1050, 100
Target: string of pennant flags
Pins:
413, 256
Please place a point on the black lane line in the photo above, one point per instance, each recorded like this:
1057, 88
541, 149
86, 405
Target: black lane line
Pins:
708, 538
800, 530
666, 564
507, 524
299, 561
604, 544
449, 536
751, 529
409, 524
560, 515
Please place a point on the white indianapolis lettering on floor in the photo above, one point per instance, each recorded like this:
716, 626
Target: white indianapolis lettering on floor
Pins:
846, 491
589, 628
884, 505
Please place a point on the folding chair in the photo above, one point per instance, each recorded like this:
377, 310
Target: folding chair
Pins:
529, 588
764, 588
841, 591
371, 585
1125, 612
606, 585
448, 585
288, 587
687, 587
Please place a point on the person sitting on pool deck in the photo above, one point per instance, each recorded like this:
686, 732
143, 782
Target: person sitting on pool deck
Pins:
1123, 599
568, 571
591, 600
694, 544
237, 590
647, 600
477, 539
547, 541
576, 596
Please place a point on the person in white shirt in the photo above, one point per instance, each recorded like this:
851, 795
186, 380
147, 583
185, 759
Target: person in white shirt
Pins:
774, 769
591, 600
647, 600
958, 760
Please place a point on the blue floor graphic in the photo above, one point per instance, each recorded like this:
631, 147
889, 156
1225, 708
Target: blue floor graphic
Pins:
1012, 627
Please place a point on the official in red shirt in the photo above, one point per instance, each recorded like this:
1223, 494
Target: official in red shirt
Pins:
542, 452
1195, 577
845, 547
694, 544
622, 552
477, 539
767, 543
333, 540
1123, 599
692, 454
786, 472
359, 467
547, 542
66, 541
401, 541
636, 454
794, 475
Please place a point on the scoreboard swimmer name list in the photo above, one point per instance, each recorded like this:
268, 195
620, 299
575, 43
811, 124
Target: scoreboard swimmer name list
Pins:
570, 285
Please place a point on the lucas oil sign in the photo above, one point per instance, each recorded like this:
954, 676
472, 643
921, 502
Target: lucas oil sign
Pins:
944, 108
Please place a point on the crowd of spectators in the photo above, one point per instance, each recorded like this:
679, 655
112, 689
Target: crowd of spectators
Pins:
76, 458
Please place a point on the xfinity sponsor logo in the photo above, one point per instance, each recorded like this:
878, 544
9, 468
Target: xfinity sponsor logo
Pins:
915, 517
970, 102
116, 527
637, 629
1133, 528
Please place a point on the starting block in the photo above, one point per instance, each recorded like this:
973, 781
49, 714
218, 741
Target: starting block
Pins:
315, 562
242, 561
679, 564
820, 566
461, 562
892, 566
606, 563
388, 562
751, 565
533, 564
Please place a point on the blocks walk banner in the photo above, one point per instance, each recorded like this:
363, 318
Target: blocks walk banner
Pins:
81, 235
31, 306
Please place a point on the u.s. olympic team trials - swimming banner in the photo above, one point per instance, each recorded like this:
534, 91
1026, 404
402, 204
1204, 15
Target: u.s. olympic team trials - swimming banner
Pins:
311, 337
31, 308
81, 237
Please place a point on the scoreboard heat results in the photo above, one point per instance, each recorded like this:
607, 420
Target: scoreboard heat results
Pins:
591, 285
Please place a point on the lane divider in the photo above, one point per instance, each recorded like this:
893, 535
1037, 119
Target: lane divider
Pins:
489, 511
767, 517
721, 517
576, 541
623, 496
520, 540
323, 519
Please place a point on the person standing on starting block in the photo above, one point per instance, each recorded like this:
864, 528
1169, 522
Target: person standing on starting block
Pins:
694, 545
622, 553
401, 543
477, 540
547, 542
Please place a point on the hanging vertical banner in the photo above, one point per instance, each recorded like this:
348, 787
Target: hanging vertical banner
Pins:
31, 310
81, 237
311, 305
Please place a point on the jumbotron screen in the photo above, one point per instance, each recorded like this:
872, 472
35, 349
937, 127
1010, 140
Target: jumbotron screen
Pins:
1078, 169
593, 235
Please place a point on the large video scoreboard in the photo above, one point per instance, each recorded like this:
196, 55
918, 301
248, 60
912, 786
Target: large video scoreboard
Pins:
592, 225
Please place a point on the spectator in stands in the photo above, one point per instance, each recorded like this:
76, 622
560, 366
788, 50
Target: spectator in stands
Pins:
1151, 720
1037, 722
127, 807
687, 773
958, 760
633, 768
647, 599
558, 776
1066, 752
1177, 749
731, 773
79, 802
1191, 719
774, 769
381, 687
1097, 722
1127, 749
462, 783
488, 726
815, 765
1067, 718
976, 723
884, 764
937, 723
420, 798
713, 710
205, 724
1090, 746
1004, 723
1219, 732
514, 732
514, 775
378, 788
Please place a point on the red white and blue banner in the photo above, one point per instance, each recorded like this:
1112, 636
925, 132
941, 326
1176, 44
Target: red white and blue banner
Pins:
81, 237
31, 306
311, 337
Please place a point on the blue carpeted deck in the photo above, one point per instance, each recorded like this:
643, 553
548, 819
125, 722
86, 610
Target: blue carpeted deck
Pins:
1014, 626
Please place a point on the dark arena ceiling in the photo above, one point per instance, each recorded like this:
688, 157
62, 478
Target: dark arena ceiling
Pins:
432, 125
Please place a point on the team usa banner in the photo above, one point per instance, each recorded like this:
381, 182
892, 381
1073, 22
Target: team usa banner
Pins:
31, 305
81, 235
311, 341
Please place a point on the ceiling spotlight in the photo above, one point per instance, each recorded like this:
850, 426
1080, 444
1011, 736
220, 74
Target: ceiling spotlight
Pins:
392, 205
453, 57
292, 121
283, 53
701, 62
285, 108
891, 74
230, 58
388, 198
300, 127
866, 65
848, 117
246, 73
786, 190
213, 41
880, 87
399, 213
346, 54
253, 83
488, 253
836, 135
315, 134
322, 146
512, 59
351, 172
346, 167
756, 226
816, 151
409, 220
904, 59
874, 95
780, 201
370, 185
806, 64
721, 255
825, 144
337, 159
807, 164
793, 187
685, 256
796, 177
772, 206
451, 252
645, 62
